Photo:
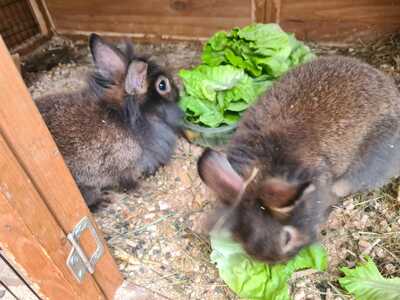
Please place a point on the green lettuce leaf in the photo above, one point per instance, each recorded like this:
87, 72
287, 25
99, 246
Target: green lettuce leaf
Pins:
197, 108
209, 92
265, 35
252, 279
238, 66
212, 119
366, 283
203, 81
231, 118
219, 41
214, 58
237, 106
258, 49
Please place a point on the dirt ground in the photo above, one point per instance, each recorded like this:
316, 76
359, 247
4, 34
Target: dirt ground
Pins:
152, 231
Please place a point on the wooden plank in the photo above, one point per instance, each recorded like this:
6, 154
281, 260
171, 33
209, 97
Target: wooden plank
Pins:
258, 10
27, 135
19, 244
272, 11
340, 20
17, 189
184, 18
41, 269
76, 35
17, 61
39, 17
45, 12
10, 279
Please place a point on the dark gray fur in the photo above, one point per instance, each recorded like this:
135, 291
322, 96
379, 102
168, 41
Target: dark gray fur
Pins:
327, 129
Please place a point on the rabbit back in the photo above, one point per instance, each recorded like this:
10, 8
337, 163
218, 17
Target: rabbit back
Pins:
326, 115
96, 144
328, 128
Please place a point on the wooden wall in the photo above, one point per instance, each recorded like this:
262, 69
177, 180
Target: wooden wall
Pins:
162, 18
339, 20
316, 20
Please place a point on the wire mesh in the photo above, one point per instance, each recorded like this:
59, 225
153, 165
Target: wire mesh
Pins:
17, 23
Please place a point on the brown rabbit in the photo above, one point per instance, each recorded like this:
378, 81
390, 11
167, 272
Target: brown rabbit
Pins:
122, 126
327, 129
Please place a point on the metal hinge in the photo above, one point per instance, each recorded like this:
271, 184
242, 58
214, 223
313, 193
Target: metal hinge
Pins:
77, 261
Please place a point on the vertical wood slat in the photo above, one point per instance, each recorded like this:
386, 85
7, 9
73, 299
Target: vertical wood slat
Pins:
266, 11
27, 135
39, 17
258, 9
272, 11
45, 12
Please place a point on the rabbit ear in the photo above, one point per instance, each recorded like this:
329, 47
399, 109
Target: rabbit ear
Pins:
136, 79
109, 60
217, 173
279, 194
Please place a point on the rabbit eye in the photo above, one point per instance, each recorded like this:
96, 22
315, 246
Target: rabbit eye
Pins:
162, 85
260, 205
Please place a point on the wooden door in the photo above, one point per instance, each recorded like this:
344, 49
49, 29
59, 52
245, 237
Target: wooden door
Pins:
40, 203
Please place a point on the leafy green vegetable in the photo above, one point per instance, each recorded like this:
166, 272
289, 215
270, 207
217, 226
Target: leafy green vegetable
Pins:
237, 67
252, 279
366, 283
204, 82
258, 49
212, 91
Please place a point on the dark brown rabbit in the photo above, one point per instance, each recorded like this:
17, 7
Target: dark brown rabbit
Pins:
122, 126
327, 129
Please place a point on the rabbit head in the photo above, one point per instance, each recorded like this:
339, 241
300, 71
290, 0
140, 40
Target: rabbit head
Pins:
273, 218
133, 85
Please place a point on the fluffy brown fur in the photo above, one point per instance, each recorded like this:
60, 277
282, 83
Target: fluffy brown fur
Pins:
327, 129
122, 126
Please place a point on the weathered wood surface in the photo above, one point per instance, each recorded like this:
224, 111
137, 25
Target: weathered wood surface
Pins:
315, 20
23, 247
340, 20
40, 18
272, 11
32, 236
162, 18
258, 9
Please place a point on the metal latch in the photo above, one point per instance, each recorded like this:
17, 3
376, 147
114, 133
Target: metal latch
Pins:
77, 261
